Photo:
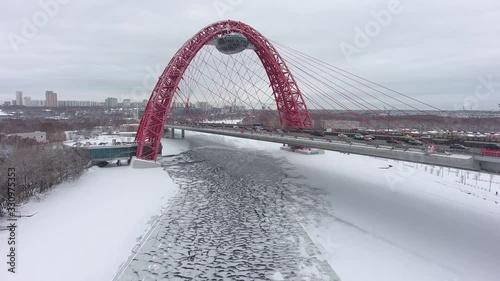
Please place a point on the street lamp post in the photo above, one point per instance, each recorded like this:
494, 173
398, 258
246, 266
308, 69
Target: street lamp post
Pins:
388, 117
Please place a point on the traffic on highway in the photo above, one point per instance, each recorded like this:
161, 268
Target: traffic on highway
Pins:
397, 140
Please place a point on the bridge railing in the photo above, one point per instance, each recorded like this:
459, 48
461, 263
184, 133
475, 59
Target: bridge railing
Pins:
490, 152
329, 138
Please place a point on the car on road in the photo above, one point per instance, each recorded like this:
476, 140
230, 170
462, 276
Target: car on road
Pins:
457, 146
407, 138
343, 136
317, 133
258, 127
415, 142
369, 137
392, 140
359, 137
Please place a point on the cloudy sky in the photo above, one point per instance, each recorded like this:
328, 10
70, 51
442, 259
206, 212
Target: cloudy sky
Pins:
436, 51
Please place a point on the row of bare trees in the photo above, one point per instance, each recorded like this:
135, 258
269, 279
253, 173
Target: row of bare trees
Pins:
38, 168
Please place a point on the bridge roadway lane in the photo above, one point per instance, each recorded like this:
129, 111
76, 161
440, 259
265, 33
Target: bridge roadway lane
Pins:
466, 162
233, 219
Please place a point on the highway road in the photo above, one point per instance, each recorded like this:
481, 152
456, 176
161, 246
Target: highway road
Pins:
376, 142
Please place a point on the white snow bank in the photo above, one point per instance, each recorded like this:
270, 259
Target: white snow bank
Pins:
86, 229
174, 146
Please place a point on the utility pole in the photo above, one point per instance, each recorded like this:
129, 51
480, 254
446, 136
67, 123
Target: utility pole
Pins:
388, 118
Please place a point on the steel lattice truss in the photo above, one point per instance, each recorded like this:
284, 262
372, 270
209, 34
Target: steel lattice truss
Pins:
290, 105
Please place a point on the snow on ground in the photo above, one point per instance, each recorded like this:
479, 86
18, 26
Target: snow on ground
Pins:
107, 139
405, 222
84, 230
174, 146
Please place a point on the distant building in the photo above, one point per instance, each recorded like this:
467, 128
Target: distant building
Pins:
14, 102
340, 124
129, 127
6, 103
180, 104
111, 102
203, 105
126, 103
136, 104
37, 135
27, 101
50, 99
239, 108
19, 98
38, 103
73, 103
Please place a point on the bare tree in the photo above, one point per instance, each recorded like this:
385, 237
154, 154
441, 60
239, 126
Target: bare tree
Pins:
41, 167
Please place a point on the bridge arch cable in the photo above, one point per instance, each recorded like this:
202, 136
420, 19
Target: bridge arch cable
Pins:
211, 75
268, 83
378, 91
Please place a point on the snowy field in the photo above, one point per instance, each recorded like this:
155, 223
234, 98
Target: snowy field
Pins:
86, 229
405, 222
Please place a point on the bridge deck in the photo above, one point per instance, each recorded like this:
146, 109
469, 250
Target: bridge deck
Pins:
467, 162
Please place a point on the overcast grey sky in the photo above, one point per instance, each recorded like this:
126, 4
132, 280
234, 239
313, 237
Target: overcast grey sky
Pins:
435, 51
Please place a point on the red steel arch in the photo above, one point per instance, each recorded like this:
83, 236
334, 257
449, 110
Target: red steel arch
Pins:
289, 100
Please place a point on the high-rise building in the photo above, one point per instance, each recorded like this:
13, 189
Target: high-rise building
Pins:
27, 101
203, 105
50, 99
111, 102
19, 98
126, 103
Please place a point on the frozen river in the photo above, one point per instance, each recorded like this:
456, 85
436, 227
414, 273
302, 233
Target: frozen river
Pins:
224, 208
234, 218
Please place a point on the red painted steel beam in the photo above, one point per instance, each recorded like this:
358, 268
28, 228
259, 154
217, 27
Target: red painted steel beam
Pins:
289, 100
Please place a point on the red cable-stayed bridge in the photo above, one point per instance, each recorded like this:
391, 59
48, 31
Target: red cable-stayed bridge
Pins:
228, 68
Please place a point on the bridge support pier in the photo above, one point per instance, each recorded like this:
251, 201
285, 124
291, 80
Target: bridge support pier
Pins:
173, 133
182, 133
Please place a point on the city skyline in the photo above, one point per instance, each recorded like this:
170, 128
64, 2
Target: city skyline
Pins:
20, 95
440, 60
109, 102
